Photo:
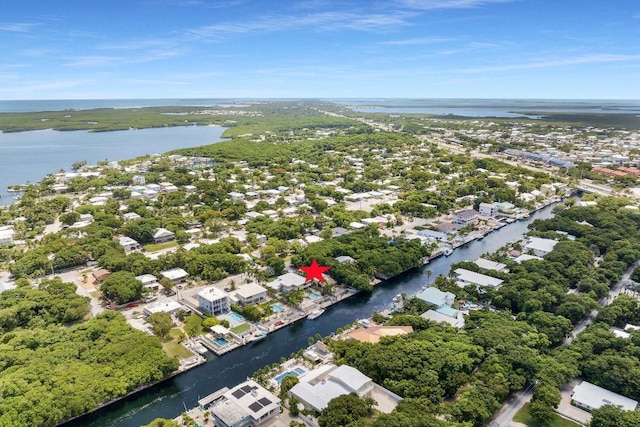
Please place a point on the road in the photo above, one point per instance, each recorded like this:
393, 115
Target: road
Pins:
504, 417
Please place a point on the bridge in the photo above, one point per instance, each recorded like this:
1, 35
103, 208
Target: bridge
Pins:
589, 187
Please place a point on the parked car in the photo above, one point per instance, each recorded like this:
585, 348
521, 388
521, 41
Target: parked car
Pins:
132, 304
279, 323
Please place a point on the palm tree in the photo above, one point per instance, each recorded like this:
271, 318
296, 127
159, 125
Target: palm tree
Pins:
428, 273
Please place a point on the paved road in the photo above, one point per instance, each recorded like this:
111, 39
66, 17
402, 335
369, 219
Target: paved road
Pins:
504, 417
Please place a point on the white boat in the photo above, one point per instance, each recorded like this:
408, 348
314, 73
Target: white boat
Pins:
315, 314
259, 336
365, 323
447, 252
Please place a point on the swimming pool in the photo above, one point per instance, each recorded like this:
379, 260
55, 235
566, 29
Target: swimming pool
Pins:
236, 316
294, 373
314, 295
277, 308
221, 341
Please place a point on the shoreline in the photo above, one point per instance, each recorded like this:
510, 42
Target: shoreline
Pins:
343, 297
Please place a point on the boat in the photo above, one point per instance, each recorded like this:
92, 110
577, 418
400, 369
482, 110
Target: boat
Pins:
259, 336
365, 323
315, 314
447, 251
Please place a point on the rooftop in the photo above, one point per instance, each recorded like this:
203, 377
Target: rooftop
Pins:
592, 396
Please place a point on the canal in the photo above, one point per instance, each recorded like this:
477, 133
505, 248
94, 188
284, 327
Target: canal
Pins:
170, 398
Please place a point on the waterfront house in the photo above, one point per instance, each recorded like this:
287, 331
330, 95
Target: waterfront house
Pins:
319, 386
435, 297
590, 397
251, 293
246, 405
162, 235
539, 247
214, 301
465, 217
129, 244
467, 277
288, 282
176, 275
487, 264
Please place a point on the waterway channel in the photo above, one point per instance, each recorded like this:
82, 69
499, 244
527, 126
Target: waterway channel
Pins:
170, 398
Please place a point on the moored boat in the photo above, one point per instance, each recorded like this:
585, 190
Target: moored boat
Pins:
315, 314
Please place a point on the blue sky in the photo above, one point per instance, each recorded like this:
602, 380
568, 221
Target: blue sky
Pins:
320, 48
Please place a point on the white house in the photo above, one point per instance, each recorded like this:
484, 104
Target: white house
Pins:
251, 293
467, 277
465, 217
162, 235
246, 405
288, 282
235, 196
176, 275
214, 301
590, 397
129, 244
130, 216
487, 264
539, 246
435, 297
319, 386
167, 306
6, 235
445, 314
149, 281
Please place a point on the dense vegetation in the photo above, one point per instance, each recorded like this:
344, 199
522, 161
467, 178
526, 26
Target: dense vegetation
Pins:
374, 255
50, 372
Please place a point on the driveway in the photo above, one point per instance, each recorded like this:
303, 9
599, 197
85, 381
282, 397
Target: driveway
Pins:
567, 409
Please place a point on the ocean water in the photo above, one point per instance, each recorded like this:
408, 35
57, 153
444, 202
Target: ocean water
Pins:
492, 107
28, 156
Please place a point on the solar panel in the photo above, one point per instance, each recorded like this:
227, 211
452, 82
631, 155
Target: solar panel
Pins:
238, 393
264, 401
246, 388
255, 406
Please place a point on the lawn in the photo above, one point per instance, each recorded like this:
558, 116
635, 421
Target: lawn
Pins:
152, 247
243, 327
193, 322
172, 346
524, 417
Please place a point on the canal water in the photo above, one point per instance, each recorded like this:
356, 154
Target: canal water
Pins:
171, 397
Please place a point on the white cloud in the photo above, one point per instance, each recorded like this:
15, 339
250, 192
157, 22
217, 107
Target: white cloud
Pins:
551, 63
446, 4
416, 41
17, 27
315, 21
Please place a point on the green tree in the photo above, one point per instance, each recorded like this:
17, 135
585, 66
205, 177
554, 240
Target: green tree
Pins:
161, 323
122, 287
343, 410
